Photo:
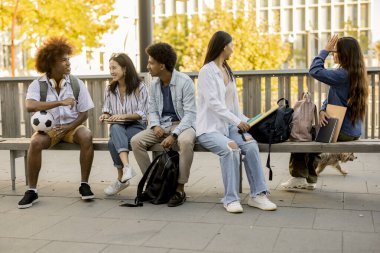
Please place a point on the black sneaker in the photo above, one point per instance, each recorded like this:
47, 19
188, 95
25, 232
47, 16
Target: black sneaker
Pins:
85, 191
29, 198
177, 199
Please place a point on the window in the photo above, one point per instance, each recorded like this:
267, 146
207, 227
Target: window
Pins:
326, 20
299, 25
276, 3
339, 17
288, 24
6, 62
364, 14
264, 16
263, 3
353, 14
313, 22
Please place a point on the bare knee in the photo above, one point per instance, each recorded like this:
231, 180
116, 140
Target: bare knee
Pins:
83, 137
39, 142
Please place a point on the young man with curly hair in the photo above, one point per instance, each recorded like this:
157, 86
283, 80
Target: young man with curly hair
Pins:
69, 113
172, 115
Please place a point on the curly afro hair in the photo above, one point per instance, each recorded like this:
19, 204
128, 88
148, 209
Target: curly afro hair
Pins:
164, 54
48, 53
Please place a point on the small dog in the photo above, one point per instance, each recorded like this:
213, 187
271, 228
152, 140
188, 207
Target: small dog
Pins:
333, 159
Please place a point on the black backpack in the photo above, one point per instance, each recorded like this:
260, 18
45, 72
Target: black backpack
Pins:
275, 128
163, 175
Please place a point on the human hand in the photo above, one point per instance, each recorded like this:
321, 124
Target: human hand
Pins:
244, 126
103, 117
116, 117
62, 130
168, 142
323, 117
158, 132
330, 45
69, 102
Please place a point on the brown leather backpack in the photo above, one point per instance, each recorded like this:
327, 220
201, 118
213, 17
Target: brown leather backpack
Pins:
304, 117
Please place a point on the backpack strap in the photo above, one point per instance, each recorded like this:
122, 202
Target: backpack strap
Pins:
75, 86
140, 187
43, 90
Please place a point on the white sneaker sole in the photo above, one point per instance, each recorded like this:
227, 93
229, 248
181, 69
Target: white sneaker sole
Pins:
27, 205
114, 193
88, 197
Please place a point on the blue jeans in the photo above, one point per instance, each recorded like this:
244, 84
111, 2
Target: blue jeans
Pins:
229, 162
120, 137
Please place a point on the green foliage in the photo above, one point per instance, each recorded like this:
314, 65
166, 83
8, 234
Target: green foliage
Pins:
377, 48
82, 22
254, 47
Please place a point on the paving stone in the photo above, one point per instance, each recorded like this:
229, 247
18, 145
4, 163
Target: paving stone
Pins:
133, 249
131, 232
355, 201
188, 212
287, 217
219, 215
26, 225
72, 247
318, 199
15, 245
345, 220
256, 239
376, 221
181, 235
307, 240
135, 213
77, 229
361, 242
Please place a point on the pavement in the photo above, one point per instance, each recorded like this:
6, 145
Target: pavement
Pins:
341, 215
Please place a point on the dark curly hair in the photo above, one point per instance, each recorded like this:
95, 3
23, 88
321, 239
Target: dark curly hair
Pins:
164, 54
48, 53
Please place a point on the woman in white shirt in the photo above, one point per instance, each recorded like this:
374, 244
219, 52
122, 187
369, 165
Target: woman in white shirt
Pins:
126, 107
218, 123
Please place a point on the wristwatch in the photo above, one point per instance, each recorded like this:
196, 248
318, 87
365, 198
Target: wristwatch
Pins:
175, 136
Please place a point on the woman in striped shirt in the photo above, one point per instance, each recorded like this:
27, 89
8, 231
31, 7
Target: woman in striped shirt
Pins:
125, 107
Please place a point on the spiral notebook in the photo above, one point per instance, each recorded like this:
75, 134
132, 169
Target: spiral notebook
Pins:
326, 132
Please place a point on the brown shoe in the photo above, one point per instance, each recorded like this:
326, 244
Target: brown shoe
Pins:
177, 199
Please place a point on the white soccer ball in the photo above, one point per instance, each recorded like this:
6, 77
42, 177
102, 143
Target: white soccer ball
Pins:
42, 121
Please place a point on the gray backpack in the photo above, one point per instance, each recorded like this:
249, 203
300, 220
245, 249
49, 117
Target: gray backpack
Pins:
304, 117
74, 85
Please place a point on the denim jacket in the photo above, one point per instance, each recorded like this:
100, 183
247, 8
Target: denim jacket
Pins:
183, 96
339, 84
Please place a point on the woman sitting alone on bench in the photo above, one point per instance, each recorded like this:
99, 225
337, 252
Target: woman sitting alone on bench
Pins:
349, 88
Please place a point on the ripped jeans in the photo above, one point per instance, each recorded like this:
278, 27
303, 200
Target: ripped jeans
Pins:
217, 143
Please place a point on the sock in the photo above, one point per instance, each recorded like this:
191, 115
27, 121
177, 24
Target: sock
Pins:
33, 189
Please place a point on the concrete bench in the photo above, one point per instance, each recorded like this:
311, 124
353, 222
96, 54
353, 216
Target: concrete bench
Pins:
18, 147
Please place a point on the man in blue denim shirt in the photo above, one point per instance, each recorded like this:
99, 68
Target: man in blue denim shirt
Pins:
172, 115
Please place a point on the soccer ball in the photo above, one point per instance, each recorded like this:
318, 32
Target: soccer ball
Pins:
42, 121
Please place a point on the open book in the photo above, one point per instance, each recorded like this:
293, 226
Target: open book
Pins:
259, 117
326, 132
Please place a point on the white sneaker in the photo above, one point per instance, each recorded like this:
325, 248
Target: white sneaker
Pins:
262, 202
234, 207
296, 182
116, 187
128, 173
311, 186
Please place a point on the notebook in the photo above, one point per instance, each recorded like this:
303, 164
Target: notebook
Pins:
259, 117
338, 112
326, 132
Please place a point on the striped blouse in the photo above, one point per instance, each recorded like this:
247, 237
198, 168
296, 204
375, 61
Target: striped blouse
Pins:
133, 103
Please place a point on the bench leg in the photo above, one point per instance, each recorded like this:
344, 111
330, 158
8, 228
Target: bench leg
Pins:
13, 155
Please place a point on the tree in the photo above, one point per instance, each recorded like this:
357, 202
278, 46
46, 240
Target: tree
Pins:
352, 30
32, 21
254, 47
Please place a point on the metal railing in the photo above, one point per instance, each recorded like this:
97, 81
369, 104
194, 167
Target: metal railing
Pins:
258, 91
